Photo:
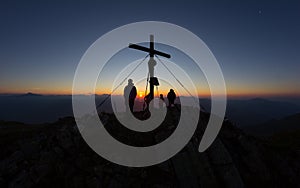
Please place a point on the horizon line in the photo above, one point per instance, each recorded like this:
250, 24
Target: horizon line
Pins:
289, 95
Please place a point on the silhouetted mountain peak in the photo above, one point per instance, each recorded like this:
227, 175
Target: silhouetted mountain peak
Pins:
29, 94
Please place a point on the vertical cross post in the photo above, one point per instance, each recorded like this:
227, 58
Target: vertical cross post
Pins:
151, 46
151, 63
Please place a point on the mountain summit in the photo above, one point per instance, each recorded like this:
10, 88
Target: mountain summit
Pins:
55, 154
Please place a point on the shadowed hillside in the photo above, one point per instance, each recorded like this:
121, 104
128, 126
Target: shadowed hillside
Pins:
55, 155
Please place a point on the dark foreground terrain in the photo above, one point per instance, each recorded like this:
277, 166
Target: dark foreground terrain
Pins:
55, 155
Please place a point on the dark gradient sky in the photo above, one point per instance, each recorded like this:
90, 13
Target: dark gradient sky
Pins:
256, 42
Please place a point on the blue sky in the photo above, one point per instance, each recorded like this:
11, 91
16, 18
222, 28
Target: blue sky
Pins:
255, 42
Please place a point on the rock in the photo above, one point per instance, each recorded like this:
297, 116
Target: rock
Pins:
65, 139
224, 166
59, 151
65, 160
11, 169
76, 182
21, 180
9, 166
38, 172
47, 157
2, 182
184, 170
93, 182
16, 157
99, 170
30, 149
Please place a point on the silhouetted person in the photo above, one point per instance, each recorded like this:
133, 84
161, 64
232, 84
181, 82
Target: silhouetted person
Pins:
161, 101
130, 94
171, 97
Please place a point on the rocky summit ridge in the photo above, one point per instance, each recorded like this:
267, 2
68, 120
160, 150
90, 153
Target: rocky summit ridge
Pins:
55, 155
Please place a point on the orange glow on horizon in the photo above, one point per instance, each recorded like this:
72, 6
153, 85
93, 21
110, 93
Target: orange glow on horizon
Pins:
231, 92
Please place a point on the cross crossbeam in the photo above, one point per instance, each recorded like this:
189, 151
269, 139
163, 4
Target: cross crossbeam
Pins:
150, 50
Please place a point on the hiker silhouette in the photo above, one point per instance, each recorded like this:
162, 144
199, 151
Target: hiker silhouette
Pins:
171, 97
130, 95
161, 101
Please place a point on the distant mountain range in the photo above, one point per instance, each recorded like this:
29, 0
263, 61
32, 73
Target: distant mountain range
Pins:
286, 124
36, 108
255, 111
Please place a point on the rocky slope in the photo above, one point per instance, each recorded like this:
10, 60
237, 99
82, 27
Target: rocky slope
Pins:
55, 155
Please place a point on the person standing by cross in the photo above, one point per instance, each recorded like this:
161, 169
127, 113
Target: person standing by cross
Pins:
171, 97
130, 95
